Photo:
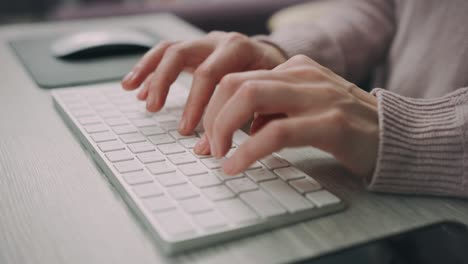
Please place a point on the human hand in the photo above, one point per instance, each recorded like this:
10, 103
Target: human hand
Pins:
315, 107
210, 58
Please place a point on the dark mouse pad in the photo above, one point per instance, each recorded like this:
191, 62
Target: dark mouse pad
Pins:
50, 72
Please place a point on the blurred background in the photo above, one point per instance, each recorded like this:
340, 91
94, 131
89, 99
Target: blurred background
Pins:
247, 16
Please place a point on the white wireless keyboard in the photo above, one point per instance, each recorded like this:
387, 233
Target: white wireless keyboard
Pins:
185, 200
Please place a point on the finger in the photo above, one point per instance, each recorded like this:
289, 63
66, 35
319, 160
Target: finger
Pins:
145, 66
316, 131
260, 120
224, 60
143, 93
175, 59
203, 146
254, 96
228, 86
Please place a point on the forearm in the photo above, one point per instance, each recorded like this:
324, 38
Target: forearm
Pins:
423, 145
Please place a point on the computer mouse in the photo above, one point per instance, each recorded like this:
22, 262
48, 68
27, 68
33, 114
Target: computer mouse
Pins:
101, 43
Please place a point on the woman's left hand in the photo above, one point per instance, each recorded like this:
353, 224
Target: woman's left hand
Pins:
313, 107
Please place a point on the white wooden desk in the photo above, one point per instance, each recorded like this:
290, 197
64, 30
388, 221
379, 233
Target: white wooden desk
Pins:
56, 206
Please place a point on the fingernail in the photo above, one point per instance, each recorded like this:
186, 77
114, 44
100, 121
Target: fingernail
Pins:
201, 145
229, 167
129, 76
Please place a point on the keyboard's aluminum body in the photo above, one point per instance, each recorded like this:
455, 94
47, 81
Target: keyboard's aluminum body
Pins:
178, 225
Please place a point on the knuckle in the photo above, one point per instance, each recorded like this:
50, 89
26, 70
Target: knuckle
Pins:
248, 91
236, 37
300, 59
308, 71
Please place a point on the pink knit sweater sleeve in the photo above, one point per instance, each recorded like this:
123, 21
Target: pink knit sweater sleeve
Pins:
340, 39
423, 144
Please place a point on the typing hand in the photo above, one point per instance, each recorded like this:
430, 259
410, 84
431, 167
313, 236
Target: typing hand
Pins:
210, 58
317, 108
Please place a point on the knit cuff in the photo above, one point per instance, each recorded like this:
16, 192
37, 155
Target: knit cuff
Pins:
423, 145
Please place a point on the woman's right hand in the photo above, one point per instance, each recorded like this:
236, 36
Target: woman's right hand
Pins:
209, 58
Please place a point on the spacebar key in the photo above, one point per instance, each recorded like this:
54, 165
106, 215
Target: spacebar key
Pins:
287, 196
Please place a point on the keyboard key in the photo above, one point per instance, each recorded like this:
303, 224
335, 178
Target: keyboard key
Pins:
236, 211
141, 147
322, 198
152, 130
89, 120
161, 139
193, 169
263, 203
218, 192
95, 128
147, 190
170, 179
175, 134
119, 155
189, 143
182, 158
164, 118
169, 125
132, 138
174, 223
151, 156
109, 113
258, 175
103, 136
160, 167
255, 165
273, 162
205, 180
290, 173
196, 205
137, 178
144, 122
171, 148
213, 163
182, 191
287, 196
305, 185
138, 115
111, 146
239, 137
159, 203
241, 185
129, 108
224, 177
116, 121
210, 220
125, 129
128, 166
83, 112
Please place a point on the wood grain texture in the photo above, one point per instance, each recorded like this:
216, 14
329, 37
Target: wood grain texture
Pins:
57, 207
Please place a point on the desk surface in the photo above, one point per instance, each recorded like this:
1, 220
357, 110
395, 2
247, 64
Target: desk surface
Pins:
56, 206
